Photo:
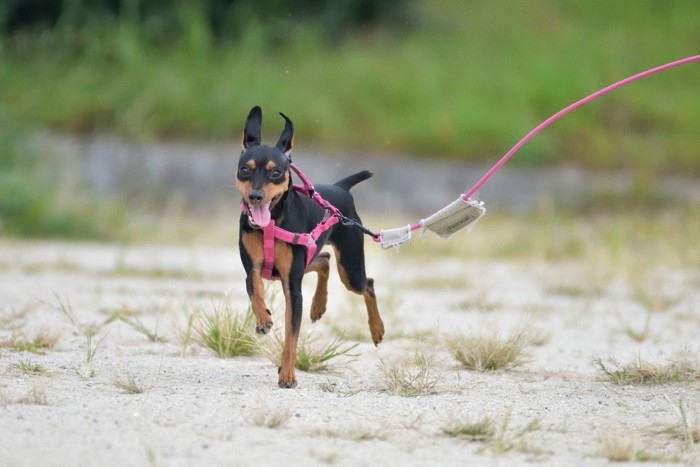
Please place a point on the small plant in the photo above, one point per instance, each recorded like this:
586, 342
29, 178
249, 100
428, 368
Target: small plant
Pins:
27, 367
506, 441
408, 379
129, 384
313, 355
481, 429
87, 371
617, 447
499, 438
489, 353
640, 372
225, 332
44, 339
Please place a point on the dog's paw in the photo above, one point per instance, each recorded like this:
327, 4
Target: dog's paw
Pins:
377, 332
286, 380
287, 384
317, 311
263, 328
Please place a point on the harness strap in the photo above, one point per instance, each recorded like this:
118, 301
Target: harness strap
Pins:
268, 249
272, 232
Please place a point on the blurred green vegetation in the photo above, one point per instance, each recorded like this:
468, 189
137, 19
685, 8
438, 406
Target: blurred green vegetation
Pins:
460, 79
34, 203
441, 78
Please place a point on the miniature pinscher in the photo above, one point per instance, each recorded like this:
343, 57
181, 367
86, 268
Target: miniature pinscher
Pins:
265, 181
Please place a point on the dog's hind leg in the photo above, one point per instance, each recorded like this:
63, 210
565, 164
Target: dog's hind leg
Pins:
352, 274
320, 265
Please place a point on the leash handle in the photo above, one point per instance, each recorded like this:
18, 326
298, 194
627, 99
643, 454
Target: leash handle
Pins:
556, 116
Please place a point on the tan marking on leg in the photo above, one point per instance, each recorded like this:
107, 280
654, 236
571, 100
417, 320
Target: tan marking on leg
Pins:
283, 263
253, 244
376, 325
320, 265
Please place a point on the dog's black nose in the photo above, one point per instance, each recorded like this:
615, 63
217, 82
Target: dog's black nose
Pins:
255, 197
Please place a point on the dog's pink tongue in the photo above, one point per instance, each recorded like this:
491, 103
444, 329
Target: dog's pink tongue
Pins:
261, 214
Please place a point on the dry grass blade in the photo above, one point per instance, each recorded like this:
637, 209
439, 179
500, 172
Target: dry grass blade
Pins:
137, 325
640, 372
491, 352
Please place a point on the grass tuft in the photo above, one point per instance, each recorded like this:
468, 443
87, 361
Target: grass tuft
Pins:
27, 367
225, 332
44, 339
491, 352
129, 383
410, 379
480, 429
617, 447
640, 372
88, 372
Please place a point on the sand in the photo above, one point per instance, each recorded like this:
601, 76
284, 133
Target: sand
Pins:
199, 409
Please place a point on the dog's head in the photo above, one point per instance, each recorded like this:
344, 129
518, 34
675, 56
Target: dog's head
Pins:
263, 171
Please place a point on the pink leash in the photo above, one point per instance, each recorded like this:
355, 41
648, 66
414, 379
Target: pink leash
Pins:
559, 114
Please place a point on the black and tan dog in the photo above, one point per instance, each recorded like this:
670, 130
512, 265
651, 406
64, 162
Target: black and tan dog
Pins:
264, 180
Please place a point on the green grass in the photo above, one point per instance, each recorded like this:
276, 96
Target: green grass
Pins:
225, 331
28, 367
43, 339
464, 80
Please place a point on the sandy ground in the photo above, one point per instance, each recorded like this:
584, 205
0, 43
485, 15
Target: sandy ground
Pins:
203, 410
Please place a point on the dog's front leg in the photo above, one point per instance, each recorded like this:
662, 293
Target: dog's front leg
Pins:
291, 264
252, 258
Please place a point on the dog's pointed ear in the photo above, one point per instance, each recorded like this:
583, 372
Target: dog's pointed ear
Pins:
252, 132
286, 141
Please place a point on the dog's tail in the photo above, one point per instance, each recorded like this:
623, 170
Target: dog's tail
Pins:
352, 180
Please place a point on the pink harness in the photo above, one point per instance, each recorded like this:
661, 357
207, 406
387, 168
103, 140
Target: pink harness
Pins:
272, 232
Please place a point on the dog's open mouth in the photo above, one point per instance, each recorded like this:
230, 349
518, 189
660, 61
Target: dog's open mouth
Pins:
260, 213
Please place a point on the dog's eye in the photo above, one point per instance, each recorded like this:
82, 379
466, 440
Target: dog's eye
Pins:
275, 174
244, 171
